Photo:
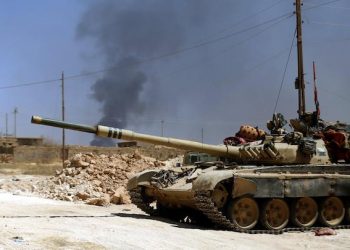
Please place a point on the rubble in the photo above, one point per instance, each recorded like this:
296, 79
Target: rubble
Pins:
325, 231
6, 158
95, 179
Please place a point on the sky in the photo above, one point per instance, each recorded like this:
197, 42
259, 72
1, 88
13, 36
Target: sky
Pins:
202, 67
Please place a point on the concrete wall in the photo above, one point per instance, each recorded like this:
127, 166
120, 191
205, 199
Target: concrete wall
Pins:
36, 154
30, 141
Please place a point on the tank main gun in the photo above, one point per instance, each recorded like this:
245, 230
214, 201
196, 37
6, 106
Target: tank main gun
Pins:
124, 134
272, 150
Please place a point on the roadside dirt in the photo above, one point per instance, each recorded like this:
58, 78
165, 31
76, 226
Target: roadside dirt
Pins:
37, 223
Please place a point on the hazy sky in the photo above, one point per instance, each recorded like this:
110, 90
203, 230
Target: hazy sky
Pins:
196, 64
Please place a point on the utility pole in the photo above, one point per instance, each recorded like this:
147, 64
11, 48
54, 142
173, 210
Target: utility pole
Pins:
162, 127
63, 131
202, 135
15, 112
300, 84
6, 123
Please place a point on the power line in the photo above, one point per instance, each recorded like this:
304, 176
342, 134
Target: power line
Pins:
93, 73
328, 41
249, 17
229, 48
321, 5
284, 72
185, 121
332, 24
29, 84
334, 93
248, 72
330, 7
198, 45
263, 30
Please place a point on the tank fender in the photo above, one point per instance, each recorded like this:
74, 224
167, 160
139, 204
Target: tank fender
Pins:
207, 181
142, 178
242, 186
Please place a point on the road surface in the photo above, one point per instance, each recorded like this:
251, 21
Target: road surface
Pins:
35, 223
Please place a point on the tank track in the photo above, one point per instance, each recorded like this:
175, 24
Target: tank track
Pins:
205, 204
138, 200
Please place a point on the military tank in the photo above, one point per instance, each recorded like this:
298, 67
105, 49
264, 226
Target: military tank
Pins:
262, 183
278, 179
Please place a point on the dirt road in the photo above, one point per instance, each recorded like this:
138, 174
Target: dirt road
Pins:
37, 223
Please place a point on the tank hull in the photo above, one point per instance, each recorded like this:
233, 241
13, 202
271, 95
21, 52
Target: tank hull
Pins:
300, 197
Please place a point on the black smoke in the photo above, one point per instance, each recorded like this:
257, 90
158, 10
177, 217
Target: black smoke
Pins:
212, 84
126, 32
118, 92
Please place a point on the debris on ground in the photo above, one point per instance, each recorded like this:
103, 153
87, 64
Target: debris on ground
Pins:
18, 239
89, 178
325, 231
96, 179
6, 158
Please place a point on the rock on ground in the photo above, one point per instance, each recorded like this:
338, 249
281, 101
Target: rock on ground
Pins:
90, 178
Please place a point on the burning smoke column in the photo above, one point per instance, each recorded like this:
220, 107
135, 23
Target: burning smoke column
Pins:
125, 32
118, 92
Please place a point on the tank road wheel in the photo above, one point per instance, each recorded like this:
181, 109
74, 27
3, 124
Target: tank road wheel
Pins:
332, 211
219, 195
243, 212
274, 214
304, 212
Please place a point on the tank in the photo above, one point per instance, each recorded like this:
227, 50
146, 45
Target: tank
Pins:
261, 183
278, 182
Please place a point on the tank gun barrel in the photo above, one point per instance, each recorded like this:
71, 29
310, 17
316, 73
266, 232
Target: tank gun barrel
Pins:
66, 125
123, 134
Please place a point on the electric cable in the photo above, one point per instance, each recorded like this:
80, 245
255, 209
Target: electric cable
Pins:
279, 18
321, 5
187, 67
326, 6
332, 24
29, 84
247, 18
284, 72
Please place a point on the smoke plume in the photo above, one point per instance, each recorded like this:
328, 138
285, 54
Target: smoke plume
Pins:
124, 33
210, 83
